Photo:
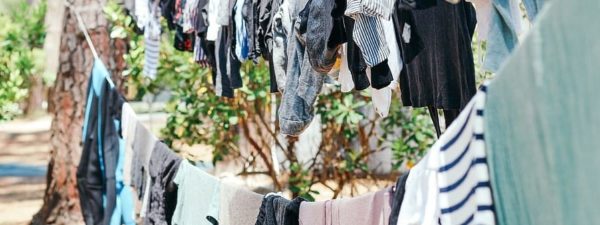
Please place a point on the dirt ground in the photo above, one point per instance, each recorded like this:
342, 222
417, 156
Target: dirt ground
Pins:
24, 148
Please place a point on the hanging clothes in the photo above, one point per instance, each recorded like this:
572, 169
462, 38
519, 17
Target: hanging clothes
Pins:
544, 156
452, 183
240, 45
503, 33
368, 31
197, 196
143, 146
372, 209
162, 193
151, 45
436, 47
237, 206
91, 171
276, 210
303, 84
398, 198
282, 27
355, 60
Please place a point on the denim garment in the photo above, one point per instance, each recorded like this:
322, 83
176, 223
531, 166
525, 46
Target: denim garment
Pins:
322, 54
502, 36
282, 25
303, 84
533, 7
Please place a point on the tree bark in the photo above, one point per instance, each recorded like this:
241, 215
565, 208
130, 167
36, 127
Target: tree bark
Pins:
68, 98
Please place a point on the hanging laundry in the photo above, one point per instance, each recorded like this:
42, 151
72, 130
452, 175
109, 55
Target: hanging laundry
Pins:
197, 196
398, 198
142, 13
237, 206
372, 209
128, 125
345, 76
143, 146
420, 203
151, 45
544, 156
276, 210
240, 45
162, 195
303, 84
325, 34
104, 198
452, 182
368, 31
282, 26
356, 62
223, 85
533, 7
440, 73
91, 171
504, 27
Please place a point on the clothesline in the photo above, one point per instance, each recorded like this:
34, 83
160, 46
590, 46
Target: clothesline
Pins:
84, 30
451, 185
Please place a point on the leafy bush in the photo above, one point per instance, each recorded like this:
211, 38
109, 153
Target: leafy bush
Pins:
21, 39
197, 116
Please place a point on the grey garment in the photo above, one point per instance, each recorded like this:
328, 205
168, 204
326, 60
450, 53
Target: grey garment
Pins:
303, 84
272, 210
143, 145
318, 31
163, 191
231, 212
398, 197
282, 25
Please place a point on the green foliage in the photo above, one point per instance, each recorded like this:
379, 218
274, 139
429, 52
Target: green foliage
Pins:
197, 116
21, 40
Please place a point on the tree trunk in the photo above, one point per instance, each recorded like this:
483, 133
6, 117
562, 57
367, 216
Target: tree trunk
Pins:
68, 97
35, 96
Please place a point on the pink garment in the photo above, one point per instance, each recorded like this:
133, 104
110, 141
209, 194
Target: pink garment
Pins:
370, 209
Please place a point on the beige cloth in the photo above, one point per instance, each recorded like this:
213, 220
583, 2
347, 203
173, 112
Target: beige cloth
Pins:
238, 206
372, 209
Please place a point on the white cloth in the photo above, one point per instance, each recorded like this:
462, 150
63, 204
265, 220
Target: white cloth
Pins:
212, 31
452, 182
223, 12
282, 27
142, 12
345, 76
189, 12
128, 125
419, 206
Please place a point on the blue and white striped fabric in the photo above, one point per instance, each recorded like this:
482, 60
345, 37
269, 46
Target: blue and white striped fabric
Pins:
451, 185
465, 195
379, 8
369, 36
152, 46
